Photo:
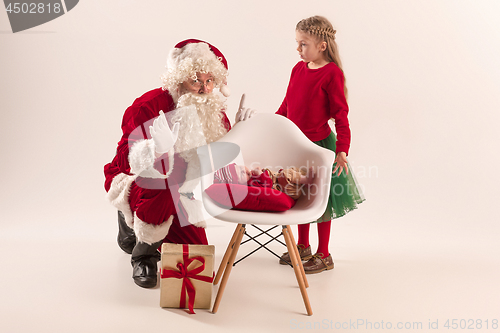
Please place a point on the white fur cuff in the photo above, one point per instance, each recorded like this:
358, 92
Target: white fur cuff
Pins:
150, 233
141, 156
118, 195
194, 209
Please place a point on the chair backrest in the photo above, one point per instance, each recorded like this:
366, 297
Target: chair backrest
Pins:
274, 142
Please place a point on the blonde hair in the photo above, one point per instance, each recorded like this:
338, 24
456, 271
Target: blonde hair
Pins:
323, 31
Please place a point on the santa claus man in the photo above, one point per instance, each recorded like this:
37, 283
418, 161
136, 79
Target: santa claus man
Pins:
152, 176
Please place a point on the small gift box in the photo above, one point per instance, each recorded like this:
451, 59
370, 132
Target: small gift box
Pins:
187, 272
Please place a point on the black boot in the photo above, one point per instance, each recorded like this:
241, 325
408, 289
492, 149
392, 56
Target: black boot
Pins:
126, 236
144, 258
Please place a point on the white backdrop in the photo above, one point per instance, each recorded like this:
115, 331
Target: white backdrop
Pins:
424, 87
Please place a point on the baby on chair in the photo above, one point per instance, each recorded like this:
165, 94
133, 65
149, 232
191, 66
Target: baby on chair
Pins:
289, 181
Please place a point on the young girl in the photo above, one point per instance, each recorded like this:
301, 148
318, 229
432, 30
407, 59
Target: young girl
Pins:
315, 94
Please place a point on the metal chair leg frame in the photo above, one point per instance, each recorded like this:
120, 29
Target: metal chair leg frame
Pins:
241, 230
260, 246
266, 232
263, 232
298, 256
254, 238
298, 274
227, 254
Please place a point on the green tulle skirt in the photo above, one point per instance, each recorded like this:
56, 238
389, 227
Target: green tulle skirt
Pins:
345, 194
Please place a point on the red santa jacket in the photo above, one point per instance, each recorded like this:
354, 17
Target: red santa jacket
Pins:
139, 116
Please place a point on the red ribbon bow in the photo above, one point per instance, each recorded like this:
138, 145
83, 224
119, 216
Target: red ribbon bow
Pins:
185, 274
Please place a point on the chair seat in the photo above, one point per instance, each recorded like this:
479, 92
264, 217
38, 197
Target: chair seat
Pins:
299, 213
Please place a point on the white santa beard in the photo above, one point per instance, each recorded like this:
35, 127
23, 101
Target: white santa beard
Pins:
198, 125
197, 129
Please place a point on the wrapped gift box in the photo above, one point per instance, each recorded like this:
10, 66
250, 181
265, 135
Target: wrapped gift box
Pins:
187, 272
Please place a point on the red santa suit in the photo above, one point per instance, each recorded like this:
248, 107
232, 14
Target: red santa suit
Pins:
155, 170
150, 206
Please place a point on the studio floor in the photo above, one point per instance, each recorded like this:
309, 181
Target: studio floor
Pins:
398, 279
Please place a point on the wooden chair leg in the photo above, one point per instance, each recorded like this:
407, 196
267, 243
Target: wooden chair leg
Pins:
229, 266
227, 254
295, 262
298, 256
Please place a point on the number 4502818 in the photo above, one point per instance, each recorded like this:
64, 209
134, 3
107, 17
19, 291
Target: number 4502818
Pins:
33, 8
471, 324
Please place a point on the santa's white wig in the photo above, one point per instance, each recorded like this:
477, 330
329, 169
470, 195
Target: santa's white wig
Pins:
194, 56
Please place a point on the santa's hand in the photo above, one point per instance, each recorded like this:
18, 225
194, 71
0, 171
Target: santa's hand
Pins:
163, 138
243, 112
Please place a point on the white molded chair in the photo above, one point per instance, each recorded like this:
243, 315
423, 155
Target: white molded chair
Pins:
274, 142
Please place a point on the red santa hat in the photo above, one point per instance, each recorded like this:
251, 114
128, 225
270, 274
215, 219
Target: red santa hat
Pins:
191, 56
227, 175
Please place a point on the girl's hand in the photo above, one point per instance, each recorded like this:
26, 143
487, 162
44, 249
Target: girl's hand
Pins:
341, 161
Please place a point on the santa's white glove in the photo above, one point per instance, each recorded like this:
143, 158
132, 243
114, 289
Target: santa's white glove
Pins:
163, 138
243, 112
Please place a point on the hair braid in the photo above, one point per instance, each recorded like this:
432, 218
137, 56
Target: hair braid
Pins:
322, 32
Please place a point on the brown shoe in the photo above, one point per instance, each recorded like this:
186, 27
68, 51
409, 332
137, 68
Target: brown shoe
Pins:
317, 264
305, 254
